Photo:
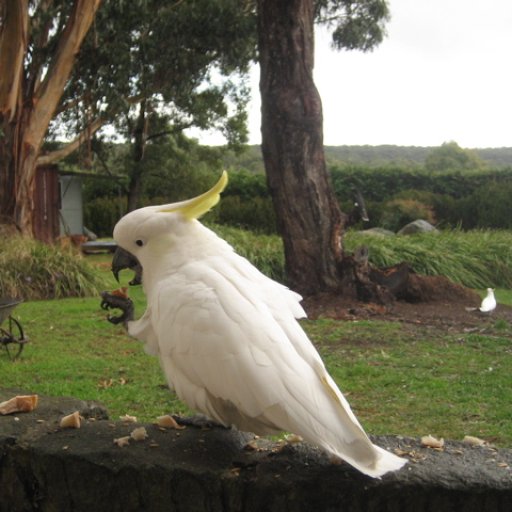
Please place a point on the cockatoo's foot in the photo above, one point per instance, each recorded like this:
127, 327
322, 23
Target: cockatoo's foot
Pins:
117, 300
198, 421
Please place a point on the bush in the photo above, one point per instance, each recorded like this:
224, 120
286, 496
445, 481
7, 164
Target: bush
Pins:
491, 205
264, 251
477, 259
246, 184
399, 212
382, 184
466, 199
33, 270
256, 214
102, 213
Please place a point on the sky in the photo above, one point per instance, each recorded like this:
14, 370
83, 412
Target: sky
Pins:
443, 73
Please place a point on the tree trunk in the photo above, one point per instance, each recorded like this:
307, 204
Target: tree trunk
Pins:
13, 41
25, 126
7, 170
308, 215
17, 173
139, 147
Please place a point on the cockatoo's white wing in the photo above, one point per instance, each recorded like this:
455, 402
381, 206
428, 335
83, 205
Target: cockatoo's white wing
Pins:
143, 330
241, 361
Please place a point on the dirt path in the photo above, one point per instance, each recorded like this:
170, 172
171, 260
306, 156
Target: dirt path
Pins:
446, 312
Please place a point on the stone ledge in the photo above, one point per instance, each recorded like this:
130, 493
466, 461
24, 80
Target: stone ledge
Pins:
45, 468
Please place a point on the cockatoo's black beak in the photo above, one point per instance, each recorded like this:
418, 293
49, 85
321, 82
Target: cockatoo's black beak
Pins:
123, 259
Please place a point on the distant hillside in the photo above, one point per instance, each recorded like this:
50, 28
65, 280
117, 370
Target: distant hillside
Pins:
409, 155
500, 157
372, 156
376, 155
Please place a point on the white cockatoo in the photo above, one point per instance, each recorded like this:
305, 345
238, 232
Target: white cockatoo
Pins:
228, 339
488, 302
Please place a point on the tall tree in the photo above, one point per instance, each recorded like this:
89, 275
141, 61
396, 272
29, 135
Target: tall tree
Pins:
451, 157
36, 65
155, 68
143, 60
308, 215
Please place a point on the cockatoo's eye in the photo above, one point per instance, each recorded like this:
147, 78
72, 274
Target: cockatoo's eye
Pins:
139, 242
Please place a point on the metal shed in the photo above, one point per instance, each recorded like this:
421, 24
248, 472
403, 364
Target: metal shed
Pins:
71, 205
58, 204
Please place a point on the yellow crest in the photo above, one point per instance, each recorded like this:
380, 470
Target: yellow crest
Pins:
198, 206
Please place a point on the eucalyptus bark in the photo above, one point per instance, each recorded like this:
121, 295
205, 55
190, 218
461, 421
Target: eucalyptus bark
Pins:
24, 120
308, 215
13, 41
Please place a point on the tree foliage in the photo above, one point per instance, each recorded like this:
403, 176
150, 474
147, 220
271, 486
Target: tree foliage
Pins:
185, 59
152, 69
451, 157
356, 25
145, 65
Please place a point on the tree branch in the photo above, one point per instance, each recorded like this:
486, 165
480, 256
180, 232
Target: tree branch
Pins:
160, 134
64, 107
59, 154
51, 89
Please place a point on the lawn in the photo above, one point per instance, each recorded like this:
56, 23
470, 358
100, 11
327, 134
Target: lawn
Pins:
403, 381
397, 381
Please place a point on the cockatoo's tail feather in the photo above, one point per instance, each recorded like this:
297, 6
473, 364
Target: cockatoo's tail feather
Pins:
198, 206
228, 339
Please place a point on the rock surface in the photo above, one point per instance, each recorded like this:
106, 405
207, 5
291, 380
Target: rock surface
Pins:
46, 468
417, 226
378, 232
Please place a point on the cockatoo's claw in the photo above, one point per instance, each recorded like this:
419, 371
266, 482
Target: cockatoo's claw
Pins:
115, 319
198, 421
125, 304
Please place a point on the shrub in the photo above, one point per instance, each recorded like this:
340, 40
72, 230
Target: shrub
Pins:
264, 251
33, 270
246, 184
102, 213
491, 205
399, 212
255, 213
477, 259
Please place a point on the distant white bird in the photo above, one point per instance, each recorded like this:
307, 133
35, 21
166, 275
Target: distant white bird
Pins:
227, 335
489, 302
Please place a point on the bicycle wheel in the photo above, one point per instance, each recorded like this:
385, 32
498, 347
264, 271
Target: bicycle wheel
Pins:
14, 338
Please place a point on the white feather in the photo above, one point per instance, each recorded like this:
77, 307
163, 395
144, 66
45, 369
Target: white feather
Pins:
489, 302
230, 345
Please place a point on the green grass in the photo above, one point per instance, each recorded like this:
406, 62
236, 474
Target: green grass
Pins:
33, 270
477, 259
447, 385
397, 380
74, 351
263, 251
